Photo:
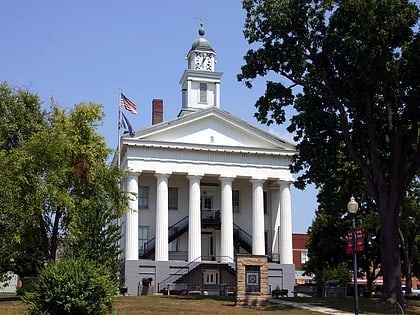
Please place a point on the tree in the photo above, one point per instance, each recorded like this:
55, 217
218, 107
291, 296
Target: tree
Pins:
22, 117
327, 244
350, 70
58, 184
409, 231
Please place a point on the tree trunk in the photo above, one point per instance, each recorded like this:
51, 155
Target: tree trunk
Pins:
44, 236
406, 266
390, 253
55, 233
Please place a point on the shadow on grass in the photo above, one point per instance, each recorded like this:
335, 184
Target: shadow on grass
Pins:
9, 298
372, 305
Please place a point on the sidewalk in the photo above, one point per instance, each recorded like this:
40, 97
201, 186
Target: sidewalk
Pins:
315, 308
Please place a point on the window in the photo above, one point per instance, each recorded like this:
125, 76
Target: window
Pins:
173, 246
143, 197
235, 200
265, 202
203, 93
208, 203
172, 198
143, 238
304, 256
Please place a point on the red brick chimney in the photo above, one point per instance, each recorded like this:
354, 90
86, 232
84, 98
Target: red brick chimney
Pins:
157, 111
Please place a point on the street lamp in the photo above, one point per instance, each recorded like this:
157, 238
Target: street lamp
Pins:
352, 208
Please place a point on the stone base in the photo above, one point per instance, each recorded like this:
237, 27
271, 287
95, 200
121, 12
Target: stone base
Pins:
252, 300
260, 295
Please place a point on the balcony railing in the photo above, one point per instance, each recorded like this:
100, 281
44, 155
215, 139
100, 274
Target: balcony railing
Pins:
210, 218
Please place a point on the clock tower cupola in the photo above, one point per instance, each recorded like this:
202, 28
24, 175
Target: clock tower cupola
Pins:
200, 82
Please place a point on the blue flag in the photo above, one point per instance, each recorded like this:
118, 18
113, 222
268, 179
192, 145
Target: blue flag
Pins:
127, 126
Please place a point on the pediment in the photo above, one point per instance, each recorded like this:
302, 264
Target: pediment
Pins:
215, 127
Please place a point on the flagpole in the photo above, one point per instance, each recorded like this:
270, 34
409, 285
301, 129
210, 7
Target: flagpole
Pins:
119, 127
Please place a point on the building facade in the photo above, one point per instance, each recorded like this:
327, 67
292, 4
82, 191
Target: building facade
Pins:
300, 257
204, 187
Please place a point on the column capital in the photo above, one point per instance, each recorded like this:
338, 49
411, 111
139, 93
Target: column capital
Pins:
162, 175
226, 179
257, 180
191, 176
276, 184
285, 184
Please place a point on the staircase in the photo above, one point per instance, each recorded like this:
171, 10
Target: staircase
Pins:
181, 279
240, 236
174, 232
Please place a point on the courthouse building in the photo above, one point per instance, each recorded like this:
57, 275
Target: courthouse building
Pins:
207, 186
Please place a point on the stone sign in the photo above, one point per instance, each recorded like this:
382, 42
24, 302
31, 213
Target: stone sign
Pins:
252, 280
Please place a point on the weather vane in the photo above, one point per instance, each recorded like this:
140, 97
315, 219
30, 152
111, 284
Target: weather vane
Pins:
203, 21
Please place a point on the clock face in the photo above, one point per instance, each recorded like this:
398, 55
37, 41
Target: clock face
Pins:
208, 64
199, 60
203, 61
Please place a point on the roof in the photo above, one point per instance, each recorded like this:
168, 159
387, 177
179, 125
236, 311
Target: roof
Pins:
212, 127
201, 43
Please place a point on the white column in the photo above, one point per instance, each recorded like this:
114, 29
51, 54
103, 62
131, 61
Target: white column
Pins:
194, 220
217, 95
132, 220
226, 229
257, 217
161, 239
286, 247
275, 214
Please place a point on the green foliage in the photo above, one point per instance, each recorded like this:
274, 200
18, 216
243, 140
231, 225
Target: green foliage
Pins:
341, 273
350, 71
99, 238
327, 245
56, 185
72, 286
27, 285
22, 117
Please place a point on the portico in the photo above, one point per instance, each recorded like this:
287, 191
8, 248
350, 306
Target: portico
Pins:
221, 204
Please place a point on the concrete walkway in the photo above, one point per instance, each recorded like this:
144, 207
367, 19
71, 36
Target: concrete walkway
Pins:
315, 308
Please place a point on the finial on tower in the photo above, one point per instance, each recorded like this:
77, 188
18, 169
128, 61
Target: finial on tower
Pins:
203, 21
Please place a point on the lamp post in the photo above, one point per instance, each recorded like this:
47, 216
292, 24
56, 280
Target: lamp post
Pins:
352, 208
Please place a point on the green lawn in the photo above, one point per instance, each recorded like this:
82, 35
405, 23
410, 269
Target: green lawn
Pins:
367, 306
12, 305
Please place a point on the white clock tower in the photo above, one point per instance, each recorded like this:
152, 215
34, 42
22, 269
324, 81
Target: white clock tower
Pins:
200, 83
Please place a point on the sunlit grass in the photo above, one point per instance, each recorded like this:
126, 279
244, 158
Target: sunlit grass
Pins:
130, 305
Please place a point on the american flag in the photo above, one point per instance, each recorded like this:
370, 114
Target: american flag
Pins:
128, 105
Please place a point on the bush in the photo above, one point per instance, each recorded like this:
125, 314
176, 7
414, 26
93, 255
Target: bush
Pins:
72, 286
341, 273
27, 285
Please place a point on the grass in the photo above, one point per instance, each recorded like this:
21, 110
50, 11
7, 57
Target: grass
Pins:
131, 305
367, 306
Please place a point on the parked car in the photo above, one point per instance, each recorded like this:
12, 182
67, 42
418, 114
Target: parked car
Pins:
413, 291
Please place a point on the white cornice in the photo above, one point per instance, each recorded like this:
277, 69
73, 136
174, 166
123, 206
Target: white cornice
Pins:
206, 147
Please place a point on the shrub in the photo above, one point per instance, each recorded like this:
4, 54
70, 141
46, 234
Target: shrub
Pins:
72, 286
340, 273
27, 285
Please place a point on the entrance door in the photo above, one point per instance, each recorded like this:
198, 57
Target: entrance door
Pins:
207, 246
210, 276
207, 203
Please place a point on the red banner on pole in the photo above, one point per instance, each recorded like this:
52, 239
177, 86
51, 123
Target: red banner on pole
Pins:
360, 240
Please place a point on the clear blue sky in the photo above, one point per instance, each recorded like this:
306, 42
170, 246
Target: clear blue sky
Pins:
85, 50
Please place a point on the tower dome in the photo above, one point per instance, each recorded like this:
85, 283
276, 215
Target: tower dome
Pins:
201, 42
